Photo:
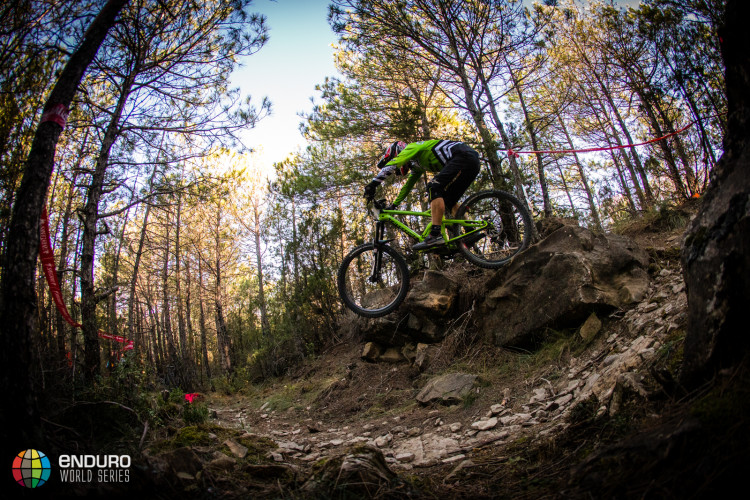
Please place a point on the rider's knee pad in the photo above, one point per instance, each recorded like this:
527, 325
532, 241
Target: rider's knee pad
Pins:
434, 190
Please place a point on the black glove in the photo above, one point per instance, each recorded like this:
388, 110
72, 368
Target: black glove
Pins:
370, 190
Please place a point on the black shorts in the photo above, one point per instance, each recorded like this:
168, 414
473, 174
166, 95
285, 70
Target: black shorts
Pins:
456, 176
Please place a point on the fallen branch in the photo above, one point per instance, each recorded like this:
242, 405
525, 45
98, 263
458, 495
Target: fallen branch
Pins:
143, 436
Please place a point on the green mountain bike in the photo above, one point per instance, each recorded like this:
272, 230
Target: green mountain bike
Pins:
489, 229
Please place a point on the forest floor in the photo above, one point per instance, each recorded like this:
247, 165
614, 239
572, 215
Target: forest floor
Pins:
527, 429
536, 423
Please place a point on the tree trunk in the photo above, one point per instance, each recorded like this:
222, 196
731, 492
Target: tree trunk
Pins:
178, 289
644, 194
688, 96
699, 72
222, 339
265, 327
90, 220
649, 106
567, 190
202, 322
112, 301
584, 180
155, 333
190, 360
283, 257
534, 144
514, 169
642, 198
692, 184
649, 196
73, 289
295, 257
18, 313
603, 126
166, 313
488, 143
137, 336
184, 364
716, 255
650, 101
63, 245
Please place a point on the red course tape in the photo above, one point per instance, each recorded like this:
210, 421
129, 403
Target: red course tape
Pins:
57, 114
511, 152
48, 265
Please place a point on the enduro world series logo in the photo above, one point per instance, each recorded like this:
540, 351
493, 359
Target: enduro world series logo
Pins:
32, 468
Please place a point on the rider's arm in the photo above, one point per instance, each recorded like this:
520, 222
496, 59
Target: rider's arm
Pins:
399, 161
384, 173
394, 166
408, 185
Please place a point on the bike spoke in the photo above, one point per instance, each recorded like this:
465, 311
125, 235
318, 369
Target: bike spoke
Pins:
371, 294
506, 232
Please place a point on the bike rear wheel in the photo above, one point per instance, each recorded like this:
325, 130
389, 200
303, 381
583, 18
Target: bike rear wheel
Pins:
364, 296
508, 230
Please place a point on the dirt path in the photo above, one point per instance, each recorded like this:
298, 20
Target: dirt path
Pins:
351, 402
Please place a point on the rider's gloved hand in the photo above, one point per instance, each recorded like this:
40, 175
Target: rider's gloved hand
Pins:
370, 190
391, 206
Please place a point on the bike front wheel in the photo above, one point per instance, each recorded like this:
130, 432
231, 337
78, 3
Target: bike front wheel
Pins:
373, 294
507, 230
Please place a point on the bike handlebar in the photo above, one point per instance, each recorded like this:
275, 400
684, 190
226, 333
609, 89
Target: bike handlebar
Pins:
378, 205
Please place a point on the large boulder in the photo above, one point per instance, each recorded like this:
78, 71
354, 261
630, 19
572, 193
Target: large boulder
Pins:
435, 296
560, 281
420, 318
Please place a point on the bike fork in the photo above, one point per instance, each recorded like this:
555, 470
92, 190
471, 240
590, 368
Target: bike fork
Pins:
377, 261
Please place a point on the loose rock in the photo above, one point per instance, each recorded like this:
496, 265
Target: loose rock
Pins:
484, 425
447, 389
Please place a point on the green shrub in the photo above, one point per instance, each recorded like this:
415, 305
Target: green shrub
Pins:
194, 413
176, 395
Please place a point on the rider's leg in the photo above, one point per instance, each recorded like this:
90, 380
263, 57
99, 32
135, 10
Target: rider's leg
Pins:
438, 209
465, 163
447, 187
437, 205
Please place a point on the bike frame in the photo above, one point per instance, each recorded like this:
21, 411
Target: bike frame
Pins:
385, 216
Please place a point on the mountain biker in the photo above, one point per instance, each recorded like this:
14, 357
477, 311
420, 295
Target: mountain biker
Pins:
455, 164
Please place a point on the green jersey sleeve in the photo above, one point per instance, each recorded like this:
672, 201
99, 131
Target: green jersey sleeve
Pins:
408, 185
407, 154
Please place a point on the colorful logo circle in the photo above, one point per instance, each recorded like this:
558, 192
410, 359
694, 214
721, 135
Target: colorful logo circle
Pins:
31, 468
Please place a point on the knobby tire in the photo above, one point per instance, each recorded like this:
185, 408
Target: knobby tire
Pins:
509, 232
357, 273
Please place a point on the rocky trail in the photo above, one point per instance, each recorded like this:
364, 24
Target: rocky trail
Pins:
425, 423
437, 433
